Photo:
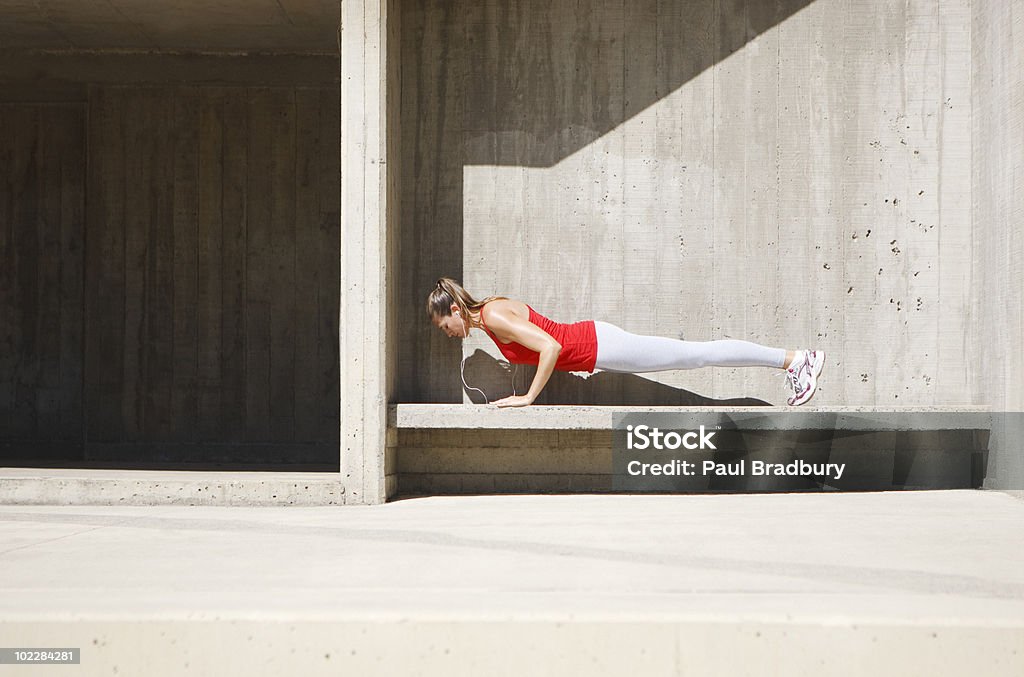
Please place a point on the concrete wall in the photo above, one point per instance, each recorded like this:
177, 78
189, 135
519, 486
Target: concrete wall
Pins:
997, 326
42, 216
395, 313
793, 173
370, 99
180, 301
288, 26
441, 462
484, 461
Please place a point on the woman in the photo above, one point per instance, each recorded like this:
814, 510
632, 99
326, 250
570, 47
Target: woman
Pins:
524, 336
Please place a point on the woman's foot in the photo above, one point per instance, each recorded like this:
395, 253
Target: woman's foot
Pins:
802, 375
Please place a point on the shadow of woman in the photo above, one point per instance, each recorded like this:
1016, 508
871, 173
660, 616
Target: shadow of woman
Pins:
495, 378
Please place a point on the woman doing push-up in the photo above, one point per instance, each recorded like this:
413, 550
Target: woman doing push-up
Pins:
524, 336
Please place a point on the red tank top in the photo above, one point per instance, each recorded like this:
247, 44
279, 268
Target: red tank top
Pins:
578, 340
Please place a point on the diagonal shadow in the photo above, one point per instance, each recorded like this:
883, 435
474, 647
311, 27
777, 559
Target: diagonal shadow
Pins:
527, 83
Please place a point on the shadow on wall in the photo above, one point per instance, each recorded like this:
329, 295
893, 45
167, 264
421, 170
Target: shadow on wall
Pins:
494, 377
527, 83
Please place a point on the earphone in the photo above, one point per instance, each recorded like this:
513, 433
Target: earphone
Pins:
469, 387
462, 369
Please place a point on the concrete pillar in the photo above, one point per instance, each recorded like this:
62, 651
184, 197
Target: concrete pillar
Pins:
367, 357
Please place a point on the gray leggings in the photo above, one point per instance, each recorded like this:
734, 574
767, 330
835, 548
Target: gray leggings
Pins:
618, 350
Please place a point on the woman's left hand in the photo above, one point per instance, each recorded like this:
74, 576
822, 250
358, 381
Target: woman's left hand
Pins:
513, 401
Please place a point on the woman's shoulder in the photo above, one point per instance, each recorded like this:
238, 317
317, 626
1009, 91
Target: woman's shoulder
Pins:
512, 306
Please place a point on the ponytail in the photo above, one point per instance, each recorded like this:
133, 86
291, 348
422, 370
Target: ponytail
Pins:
448, 291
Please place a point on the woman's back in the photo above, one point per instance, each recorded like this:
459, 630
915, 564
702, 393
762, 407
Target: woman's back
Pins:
517, 308
578, 339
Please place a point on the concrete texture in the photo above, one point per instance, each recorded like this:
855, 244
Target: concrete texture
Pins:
488, 461
473, 449
193, 25
831, 174
793, 173
171, 274
368, 326
997, 134
542, 417
65, 486
927, 583
44, 76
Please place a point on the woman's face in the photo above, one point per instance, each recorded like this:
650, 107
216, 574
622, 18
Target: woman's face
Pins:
451, 325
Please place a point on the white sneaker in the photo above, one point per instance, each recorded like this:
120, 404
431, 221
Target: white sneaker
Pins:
802, 375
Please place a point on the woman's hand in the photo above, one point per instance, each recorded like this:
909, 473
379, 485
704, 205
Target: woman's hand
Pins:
514, 401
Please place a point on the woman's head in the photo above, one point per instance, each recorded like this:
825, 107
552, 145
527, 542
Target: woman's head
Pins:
450, 307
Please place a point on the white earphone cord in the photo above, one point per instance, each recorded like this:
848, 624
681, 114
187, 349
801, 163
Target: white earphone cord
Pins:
462, 369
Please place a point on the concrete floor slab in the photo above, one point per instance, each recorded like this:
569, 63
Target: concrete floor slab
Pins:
944, 565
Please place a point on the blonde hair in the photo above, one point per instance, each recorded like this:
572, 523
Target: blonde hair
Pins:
448, 291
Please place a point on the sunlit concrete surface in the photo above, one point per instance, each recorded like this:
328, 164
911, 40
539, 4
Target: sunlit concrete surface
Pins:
923, 582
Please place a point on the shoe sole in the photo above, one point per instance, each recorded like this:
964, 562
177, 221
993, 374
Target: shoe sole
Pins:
816, 369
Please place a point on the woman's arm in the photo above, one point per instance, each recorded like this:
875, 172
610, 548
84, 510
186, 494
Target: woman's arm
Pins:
509, 327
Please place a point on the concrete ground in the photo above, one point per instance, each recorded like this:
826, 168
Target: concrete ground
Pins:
926, 582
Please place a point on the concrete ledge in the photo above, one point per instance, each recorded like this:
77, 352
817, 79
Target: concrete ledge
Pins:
588, 417
58, 486
472, 449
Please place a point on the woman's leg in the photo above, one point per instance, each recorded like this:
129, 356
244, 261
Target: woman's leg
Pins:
618, 350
